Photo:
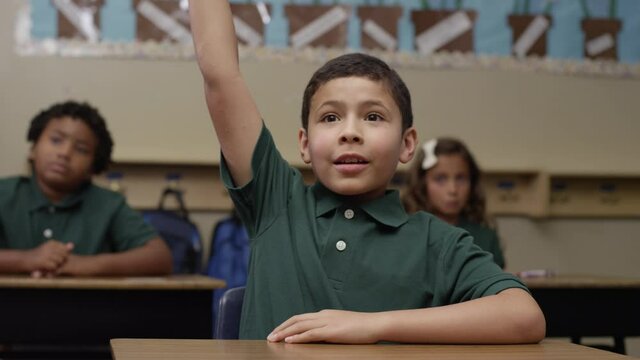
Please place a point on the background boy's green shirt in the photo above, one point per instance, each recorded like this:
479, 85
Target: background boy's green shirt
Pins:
95, 220
314, 250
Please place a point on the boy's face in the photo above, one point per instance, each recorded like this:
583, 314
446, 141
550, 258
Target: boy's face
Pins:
448, 186
355, 139
63, 154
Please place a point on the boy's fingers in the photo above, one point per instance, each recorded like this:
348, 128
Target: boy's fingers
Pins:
292, 320
36, 274
296, 328
312, 335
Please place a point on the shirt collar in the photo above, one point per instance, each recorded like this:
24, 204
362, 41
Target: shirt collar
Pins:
387, 209
326, 200
39, 200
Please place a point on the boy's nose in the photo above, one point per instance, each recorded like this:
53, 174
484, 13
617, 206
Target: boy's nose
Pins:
65, 150
351, 132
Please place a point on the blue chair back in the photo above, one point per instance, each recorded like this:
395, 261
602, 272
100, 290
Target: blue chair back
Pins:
229, 309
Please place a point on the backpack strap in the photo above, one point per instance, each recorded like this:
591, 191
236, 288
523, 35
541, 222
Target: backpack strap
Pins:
178, 195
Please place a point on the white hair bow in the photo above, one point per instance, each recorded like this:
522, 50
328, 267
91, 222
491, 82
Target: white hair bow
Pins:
430, 158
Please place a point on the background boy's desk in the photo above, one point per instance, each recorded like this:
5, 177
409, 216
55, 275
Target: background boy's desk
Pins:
579, 306
140, 349
90, 311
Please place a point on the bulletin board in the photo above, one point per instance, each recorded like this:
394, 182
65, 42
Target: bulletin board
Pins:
559, 112
592, 37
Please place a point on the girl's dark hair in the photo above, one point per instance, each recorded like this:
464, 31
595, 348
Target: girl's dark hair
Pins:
360, 65
85, 113
415, 198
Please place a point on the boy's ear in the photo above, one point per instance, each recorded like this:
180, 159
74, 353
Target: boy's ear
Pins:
409, 141
303, 145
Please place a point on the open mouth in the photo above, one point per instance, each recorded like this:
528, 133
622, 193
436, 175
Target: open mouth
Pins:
351, 162
350, 159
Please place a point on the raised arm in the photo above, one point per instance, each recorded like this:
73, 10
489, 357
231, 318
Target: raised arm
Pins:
234, 113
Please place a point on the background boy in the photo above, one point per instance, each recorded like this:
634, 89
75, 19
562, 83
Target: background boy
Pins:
341, 261
57, 222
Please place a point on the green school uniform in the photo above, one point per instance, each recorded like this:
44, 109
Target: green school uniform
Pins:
486, 238
95, 220
313, 249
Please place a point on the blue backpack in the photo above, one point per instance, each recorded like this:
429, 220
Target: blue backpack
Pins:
180, 234
229, 256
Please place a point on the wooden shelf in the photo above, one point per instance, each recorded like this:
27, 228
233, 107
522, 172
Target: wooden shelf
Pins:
529, 193
517, 193
143, 184
594, 196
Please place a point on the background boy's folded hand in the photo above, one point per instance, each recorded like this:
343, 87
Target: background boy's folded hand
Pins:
77, 265
47, 258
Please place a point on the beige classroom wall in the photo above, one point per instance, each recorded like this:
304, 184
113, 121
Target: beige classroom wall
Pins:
511, 120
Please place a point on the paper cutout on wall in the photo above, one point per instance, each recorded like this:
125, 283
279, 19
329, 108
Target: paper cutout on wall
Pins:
249, 21
161, 20
428, 33
529, 34
317, 25
379, 27
78, 19
601, 38
443, 30
600, 32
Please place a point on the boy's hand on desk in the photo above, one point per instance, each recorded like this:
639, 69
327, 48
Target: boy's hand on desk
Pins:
47, 257
77, 265
335, 326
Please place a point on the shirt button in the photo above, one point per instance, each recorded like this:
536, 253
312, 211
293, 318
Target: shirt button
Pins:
349, 214
341, 245
52, 209
47, 233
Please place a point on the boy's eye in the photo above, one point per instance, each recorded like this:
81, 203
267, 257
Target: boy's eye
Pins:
374, 117
82, 150
330, 118
55, 139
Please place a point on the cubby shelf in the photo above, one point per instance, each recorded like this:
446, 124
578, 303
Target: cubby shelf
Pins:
594, 196
530, 193
522, 193
563, 195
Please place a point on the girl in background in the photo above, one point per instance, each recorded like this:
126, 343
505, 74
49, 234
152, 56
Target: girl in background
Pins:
444, 179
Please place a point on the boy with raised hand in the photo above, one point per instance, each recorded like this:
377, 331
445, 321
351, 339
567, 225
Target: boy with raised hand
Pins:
57, 222
341, 261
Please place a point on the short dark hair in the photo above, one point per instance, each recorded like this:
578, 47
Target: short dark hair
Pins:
85, 113
360, 65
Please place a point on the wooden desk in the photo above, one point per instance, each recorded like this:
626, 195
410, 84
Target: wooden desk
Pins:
154, 349
90, 311
579, 306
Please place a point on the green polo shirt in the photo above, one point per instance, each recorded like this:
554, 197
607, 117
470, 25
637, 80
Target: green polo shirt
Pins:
312, 249
95, 220
486, 238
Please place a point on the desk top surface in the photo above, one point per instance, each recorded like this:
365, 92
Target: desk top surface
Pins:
581, 282
174, 282
159, 349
